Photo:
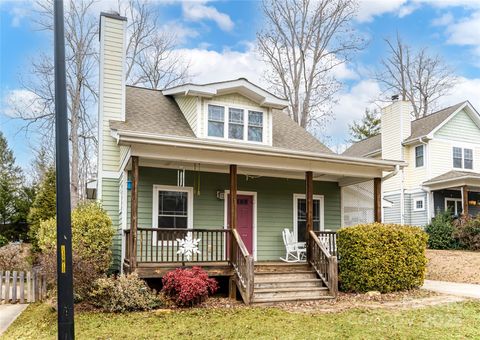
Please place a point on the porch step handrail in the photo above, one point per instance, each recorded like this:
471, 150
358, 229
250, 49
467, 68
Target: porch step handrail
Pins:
243, 265
325, 264
329, 239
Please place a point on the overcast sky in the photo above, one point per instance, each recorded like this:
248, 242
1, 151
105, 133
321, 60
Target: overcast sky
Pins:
219, 38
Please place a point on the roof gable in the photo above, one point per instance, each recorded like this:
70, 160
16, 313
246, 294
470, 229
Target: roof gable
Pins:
462, 121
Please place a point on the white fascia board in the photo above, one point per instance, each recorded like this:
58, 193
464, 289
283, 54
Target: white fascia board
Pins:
214, 89
144, 138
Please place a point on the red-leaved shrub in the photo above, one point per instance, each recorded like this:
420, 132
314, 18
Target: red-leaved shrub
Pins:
188, 287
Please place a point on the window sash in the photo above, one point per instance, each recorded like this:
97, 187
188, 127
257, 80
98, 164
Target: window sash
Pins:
468, 158
172, 209
216, 121
419, 156
236, 128
457, 157
302, 217
255, 126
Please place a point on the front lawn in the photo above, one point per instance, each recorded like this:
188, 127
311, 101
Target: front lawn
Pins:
453, 265
455, 320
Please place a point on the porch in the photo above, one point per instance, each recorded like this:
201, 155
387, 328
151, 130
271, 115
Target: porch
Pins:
456, 191
152, 248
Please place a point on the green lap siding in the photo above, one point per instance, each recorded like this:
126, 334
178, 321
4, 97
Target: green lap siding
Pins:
274, 203
110, 196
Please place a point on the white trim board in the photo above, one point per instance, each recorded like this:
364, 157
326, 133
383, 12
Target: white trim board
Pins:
225, 215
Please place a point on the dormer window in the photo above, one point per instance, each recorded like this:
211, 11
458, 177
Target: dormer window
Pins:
255, 126
240, 124
216, 121
235, 123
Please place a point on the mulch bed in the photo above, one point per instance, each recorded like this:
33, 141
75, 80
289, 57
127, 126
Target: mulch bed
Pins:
454, 266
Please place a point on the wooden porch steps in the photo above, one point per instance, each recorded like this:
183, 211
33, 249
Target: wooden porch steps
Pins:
281, 282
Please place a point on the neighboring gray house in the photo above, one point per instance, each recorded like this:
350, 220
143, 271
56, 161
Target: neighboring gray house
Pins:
443, 155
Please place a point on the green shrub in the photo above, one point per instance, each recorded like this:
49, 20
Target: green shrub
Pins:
467, 232
125, 293
44, 205
3, 241
92, 235
440, 232
381, 257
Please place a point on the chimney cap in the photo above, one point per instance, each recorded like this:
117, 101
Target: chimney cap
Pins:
113, 15
395, 97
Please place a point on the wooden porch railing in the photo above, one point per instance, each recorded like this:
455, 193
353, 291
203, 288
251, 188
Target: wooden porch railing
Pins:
329, 239
161, 245
324, 263
243, 265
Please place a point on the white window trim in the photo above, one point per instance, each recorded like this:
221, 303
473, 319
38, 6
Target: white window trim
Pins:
415, 200
456, 204
225, 215
321, 198
245, 109
423, 146
156, 189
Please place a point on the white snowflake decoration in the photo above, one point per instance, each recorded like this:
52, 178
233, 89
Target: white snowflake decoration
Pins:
188, 246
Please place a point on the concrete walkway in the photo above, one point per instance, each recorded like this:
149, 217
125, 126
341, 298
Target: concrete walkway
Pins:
8, 314
453, 288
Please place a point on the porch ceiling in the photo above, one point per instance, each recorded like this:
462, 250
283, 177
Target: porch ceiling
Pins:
260, 163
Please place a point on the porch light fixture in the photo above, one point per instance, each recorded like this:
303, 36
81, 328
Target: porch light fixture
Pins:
473, 202
220, 195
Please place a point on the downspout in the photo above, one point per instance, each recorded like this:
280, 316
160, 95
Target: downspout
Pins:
426, 163
384, 178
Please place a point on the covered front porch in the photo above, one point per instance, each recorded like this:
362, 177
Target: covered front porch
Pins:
236, 213
457, 192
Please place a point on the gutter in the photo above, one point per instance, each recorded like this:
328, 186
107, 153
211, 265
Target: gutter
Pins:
130, 136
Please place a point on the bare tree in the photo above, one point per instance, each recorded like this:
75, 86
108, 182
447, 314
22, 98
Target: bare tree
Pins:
81, 29
417, 76
302, 43
152, 60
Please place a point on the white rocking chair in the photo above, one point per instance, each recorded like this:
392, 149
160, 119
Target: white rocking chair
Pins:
295, 251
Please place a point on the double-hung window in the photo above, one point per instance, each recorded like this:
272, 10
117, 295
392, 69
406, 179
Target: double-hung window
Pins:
462, 158
255, 126
216, 121
235, 123
419, 156
468, 159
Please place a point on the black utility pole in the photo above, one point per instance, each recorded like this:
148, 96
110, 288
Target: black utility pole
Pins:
64, 223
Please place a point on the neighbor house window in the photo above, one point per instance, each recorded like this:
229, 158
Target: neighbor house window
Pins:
300, 214
462, 158
457, 157
419, 204
255, 126
235, 123
419, 156
216, 121
468, 158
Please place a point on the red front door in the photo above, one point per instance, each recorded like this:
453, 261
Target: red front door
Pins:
244, 219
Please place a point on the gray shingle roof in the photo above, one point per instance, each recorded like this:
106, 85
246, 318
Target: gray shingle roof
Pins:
365, 147
420, 127
150, 111
423, 126
451, 175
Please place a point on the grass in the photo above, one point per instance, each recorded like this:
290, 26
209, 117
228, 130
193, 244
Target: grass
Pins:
453, 265
450, 321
